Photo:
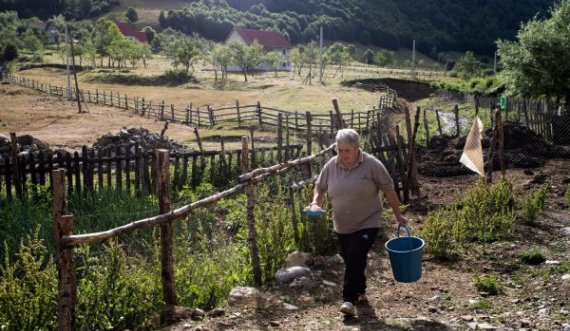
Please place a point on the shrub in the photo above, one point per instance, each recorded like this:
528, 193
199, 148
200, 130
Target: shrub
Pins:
533, 256
567, 194
440, 232
28, 288
533, 204
488, 284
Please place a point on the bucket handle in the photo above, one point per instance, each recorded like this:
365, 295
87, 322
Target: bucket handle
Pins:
407, 230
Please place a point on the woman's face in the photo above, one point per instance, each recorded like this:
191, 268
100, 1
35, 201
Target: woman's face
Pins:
348, 154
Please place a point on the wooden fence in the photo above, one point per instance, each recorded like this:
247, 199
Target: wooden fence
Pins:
242, 115
65, 240
544, 118
129, 172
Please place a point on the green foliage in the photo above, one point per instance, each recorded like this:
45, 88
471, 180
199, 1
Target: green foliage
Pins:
483, 304
182, 50
467, 66
489, 284
171, 77
28, 287
533, 204
115, 291
485, 214
533, 256
132, 15
538, 62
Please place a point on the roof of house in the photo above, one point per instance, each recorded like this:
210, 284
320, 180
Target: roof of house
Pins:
129, 31
268, 39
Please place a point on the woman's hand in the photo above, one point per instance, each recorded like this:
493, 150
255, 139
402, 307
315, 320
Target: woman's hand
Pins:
313, 206
402, 221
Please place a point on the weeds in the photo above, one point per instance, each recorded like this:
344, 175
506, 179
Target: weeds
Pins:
488, 284
533, 204
483, 304
533, 257
567, 195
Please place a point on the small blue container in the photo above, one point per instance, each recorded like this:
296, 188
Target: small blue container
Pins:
405, 257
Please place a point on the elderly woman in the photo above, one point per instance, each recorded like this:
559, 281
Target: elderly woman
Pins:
352, 180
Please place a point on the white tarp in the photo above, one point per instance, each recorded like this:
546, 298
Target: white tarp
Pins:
472, 156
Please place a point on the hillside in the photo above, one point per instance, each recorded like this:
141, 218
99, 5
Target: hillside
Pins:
437, 25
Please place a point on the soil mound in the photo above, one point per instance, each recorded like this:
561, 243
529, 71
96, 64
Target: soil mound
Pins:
523, 149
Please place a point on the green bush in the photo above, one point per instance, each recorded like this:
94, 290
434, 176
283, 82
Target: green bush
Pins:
442, 234
488, 284
28, 288
533, 256
533, 204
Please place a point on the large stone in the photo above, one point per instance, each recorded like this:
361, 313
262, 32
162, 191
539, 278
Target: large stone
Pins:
243, 294
285, 276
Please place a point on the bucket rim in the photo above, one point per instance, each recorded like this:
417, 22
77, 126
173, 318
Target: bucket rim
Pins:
421, 247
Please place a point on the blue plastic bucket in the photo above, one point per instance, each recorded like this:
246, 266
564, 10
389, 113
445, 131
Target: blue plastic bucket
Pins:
405, 257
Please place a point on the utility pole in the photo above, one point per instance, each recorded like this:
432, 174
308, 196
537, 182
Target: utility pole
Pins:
67, 62
77, 93
414, 60
321, 60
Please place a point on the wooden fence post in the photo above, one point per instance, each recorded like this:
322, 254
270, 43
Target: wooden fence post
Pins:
187, 115
166, 229
172, 112
438, 123
413, 168
252, 233
279, 137
67, 284
457, 126
501, 137
426, 127
238, 113
309, 141
211, 116
259, 114
341, 124
16, 166
492, 149
162, 111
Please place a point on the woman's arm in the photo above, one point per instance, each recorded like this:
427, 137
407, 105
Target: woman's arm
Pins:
394, 203
318, 196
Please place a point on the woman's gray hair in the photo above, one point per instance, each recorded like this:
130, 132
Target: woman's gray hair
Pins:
347, 136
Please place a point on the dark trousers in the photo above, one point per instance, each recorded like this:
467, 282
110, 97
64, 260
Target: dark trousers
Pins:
354, 249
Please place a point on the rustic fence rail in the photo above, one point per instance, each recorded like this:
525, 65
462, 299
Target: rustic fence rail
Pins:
242, 115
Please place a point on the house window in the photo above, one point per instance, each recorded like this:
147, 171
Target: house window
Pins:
284, 51
284, 64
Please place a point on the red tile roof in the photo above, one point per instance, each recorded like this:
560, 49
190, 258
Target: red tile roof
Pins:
129, 31
269, 39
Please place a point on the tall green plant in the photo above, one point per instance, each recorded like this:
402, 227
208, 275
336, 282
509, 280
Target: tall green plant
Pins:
533, 204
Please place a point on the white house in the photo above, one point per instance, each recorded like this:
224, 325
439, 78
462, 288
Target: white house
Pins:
271, 42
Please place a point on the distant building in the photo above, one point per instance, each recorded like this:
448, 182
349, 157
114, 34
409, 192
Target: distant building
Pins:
271, 42
130, 32
49, 28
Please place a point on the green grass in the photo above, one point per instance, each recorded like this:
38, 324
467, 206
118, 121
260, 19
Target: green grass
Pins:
483, 304
489, 284
532, 256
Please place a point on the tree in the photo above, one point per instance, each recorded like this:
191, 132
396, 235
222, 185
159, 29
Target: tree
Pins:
467, 66
368, 56
182, 51
275, 60
10, 53
219, 57
537, 64
132, 15
104, 33
246, 57
383, 58
149, 32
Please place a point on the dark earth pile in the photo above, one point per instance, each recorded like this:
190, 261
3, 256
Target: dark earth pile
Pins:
523, 149
118, 143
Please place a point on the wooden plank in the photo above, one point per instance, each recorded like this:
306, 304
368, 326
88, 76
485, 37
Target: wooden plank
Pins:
128, 170
77, 172
118, 170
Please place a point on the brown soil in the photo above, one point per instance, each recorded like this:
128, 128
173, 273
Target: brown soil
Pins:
535, 297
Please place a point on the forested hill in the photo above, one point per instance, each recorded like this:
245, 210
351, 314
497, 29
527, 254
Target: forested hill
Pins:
436, 25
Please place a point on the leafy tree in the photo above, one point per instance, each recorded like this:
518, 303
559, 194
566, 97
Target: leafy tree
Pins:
298, 58
246, 57
104, 33
219, 57
10, 53
368, 56
162, 19
149, 32
275, 60
132, 15
182, 51
383, 58
538, 63
467, 66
